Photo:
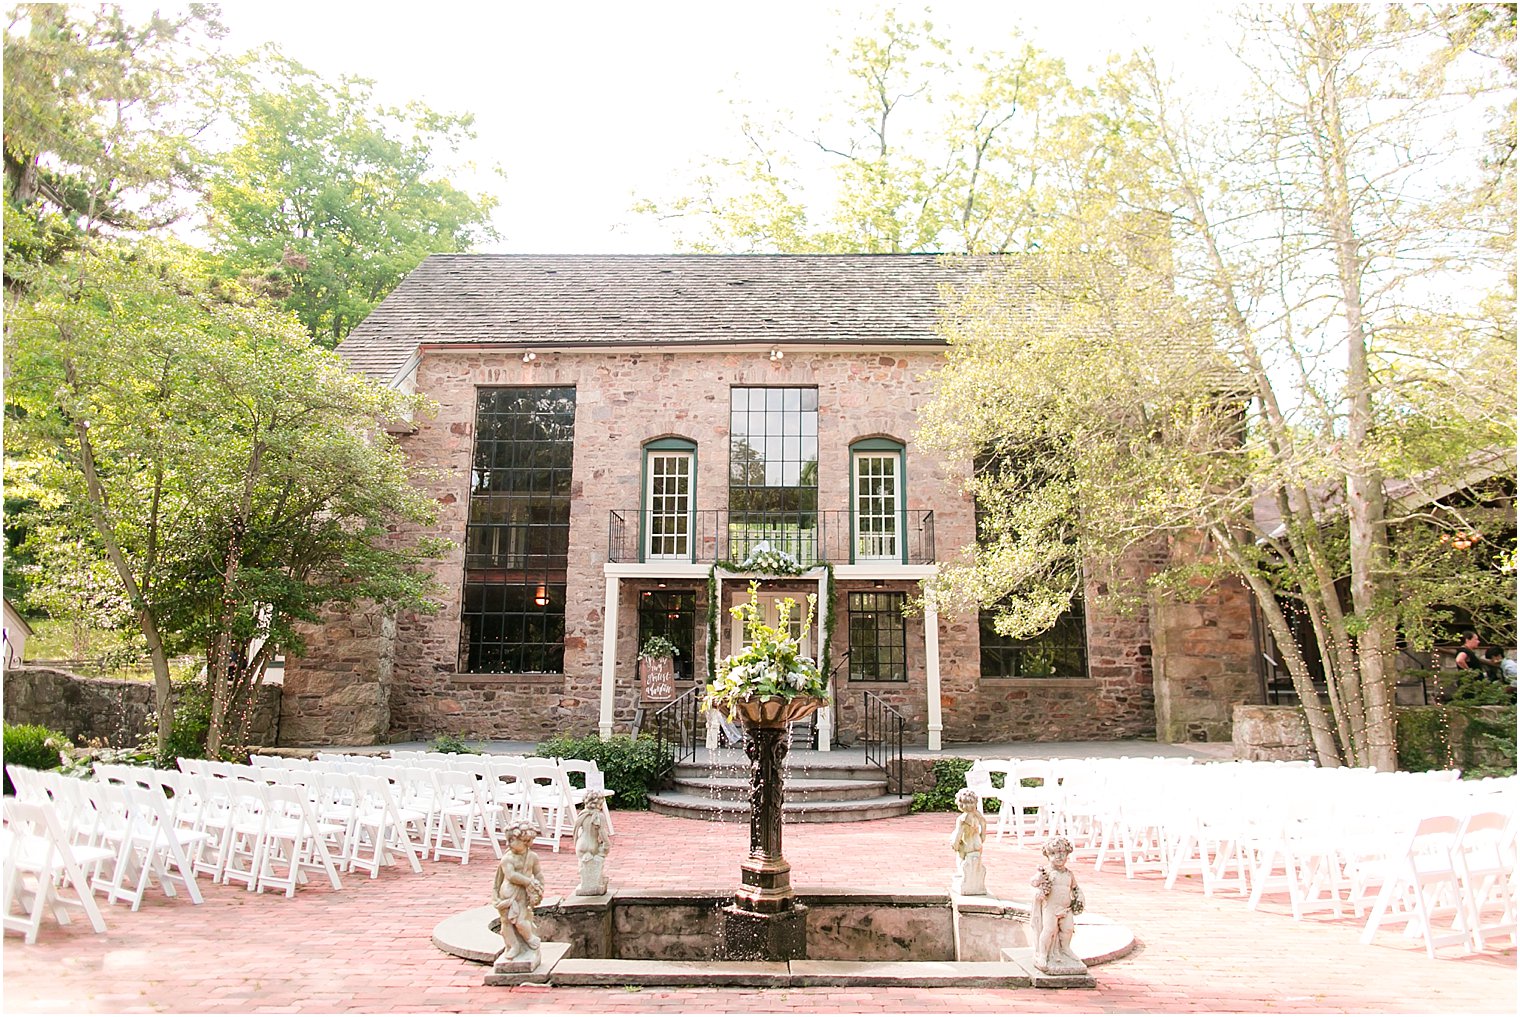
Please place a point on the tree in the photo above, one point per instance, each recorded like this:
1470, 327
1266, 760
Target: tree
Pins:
1308, 337
329, 199
100, 117
937, 152
237, 479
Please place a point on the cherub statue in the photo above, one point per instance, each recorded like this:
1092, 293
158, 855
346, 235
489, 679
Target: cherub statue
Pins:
591, 844
970, 832
519, 888
1057, 902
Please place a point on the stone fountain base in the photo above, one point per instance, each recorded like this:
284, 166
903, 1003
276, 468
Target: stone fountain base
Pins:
855, 938
750, 935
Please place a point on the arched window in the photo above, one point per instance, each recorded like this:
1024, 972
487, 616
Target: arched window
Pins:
669, 509
877, 500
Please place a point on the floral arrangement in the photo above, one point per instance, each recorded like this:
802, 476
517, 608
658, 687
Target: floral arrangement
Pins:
772, 666
771, 560
658, 646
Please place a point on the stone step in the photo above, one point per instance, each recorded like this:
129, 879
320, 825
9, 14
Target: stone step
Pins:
737, 768
713, 810
735, 789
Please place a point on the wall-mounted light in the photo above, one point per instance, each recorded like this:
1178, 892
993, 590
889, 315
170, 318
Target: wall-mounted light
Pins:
777, 355
529, 357
541, 596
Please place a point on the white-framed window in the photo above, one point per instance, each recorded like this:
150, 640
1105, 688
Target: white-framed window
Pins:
668, 506
878, 500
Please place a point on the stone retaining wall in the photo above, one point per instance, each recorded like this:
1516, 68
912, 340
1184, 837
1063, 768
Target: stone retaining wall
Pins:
112, 710
1430, 737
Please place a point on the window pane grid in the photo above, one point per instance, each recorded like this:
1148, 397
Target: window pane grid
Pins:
773, 471
1059, 652
878, 637
876, 506
518, 536
672, 614
669, 505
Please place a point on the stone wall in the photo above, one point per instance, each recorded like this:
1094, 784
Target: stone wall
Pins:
1206, 662
359, 681
1270, 733
113, 711
1430, 737
338, 692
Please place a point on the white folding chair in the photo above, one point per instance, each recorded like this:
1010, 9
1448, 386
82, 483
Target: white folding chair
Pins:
1029, 801
464, 815
39, 862
241, 851
1485, 857
381, 826
295, 839
592, 779
549, 801
1423, 886
155, 849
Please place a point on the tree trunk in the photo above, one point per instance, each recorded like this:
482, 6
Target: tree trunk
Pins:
1321, 733
1366, 509
146, 620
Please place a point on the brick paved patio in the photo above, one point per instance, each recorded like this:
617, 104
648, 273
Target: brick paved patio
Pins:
366, 948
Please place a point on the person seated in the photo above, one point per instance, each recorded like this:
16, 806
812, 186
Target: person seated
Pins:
1470, 657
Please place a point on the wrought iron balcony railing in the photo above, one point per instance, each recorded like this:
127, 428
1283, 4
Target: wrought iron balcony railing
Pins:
812, 538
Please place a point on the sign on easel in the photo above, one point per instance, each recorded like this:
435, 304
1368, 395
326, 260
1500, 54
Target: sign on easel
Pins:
658, 675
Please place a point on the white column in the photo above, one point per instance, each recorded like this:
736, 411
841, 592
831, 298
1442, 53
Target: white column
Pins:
713, 715
931, 671
609, 655
825, 715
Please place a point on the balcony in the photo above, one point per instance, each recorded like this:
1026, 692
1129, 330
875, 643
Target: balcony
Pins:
813, 538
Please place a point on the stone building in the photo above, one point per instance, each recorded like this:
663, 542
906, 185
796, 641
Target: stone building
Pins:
615, 436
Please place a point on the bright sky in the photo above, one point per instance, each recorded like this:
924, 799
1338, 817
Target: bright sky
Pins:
591, 105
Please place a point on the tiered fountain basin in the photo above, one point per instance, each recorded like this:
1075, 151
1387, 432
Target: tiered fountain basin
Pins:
854, 937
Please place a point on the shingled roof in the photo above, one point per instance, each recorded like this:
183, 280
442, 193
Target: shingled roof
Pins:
647, 300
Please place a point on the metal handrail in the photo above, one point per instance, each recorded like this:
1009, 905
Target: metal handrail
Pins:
883, 730
812, 538
675, 724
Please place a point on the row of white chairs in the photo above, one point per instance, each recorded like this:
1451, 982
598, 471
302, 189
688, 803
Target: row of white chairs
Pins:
1328, 839
548, 791
268, 828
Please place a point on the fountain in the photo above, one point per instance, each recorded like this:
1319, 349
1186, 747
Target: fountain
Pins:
765, 922
766, 933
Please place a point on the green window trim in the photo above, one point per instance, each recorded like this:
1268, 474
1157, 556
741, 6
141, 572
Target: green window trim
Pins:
650, 449
880, 447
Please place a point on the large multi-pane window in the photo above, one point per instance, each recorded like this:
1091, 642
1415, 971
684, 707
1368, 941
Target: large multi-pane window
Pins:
518, 536
673, 615
1058, 652
773, 471
1061, 650
878, 637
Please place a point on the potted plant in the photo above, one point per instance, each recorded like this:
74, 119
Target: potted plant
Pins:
770, 681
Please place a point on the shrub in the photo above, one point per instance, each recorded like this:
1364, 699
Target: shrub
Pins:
949, 777
452, 743
192, 722
632, 767
32, 746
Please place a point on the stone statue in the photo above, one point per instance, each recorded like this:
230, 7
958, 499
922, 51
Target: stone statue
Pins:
519, 888
970, 832
591, 844
1057, 902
